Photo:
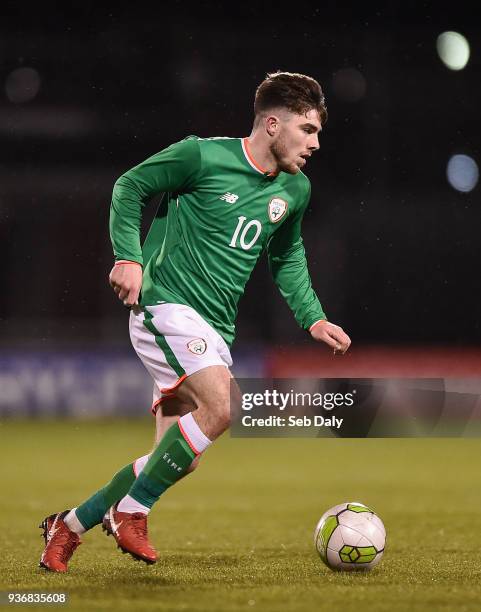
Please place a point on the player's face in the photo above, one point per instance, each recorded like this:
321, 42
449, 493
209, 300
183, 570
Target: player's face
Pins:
296, 140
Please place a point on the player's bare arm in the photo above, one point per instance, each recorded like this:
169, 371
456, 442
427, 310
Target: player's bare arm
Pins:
125, 278
333, 335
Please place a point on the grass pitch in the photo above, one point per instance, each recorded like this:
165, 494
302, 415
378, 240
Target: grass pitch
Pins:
237, 535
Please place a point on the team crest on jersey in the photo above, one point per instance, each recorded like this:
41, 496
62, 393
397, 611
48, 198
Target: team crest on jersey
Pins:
276, 208
198, 346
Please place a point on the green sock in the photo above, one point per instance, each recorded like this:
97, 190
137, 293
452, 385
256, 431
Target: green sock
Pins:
92, 511
166, 465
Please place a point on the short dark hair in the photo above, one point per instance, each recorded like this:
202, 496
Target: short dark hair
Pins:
296, 92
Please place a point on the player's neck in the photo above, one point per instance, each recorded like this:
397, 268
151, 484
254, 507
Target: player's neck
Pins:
260, 151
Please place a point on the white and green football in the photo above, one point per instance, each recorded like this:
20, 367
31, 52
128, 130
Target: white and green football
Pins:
350, 537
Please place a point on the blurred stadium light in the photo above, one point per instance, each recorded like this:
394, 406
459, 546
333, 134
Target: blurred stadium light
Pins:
453, 49
349, 85
22, 85
46, 122
462, 172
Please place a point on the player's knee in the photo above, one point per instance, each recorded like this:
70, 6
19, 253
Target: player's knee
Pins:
218, 411
235, 400
224, 417
213, 418
229, 402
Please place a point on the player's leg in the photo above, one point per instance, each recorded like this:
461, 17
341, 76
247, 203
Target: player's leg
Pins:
166, 414
61, 531
183, 442
188, 359
209, 390
92, 511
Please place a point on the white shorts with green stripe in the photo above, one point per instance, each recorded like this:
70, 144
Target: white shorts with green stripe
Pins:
173, 341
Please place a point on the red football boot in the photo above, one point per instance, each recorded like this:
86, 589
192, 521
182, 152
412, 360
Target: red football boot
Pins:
130, 533
60, 542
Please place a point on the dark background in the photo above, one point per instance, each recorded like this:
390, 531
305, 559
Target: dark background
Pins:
393, 249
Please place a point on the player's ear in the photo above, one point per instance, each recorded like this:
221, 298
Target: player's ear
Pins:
272, 125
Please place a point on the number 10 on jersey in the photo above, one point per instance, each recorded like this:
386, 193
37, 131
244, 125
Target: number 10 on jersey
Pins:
243, 234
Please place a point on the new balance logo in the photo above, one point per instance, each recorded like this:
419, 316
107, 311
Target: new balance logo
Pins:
229, 197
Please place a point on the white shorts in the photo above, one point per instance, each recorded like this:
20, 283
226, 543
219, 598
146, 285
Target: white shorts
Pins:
173, 341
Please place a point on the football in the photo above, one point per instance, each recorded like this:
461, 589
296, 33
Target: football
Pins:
350, 537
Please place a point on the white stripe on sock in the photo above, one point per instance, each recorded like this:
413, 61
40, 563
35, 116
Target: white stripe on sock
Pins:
129, 504
194, 433
73, 523
139, 464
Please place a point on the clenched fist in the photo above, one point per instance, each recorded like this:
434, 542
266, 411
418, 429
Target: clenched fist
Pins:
331, 334
125, 278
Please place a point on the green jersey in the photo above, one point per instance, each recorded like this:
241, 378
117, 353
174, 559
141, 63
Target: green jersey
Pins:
223, 210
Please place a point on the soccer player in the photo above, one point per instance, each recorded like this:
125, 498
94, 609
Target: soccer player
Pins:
227, 199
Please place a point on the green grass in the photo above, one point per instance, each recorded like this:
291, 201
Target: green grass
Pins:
237, 535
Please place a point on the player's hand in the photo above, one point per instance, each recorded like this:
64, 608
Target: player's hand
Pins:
125, 278
331, 334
